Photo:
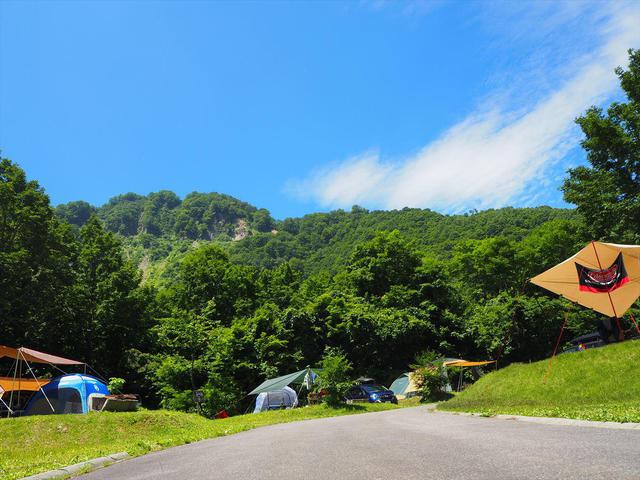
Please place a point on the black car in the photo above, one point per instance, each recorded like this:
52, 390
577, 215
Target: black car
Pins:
370, 393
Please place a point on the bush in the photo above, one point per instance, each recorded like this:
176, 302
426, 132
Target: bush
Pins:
432, 383
429, 376
115, 385
334, 378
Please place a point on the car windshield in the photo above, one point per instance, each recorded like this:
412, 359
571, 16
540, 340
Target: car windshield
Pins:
374, 388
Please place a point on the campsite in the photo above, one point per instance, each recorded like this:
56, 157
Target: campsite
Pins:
319, 240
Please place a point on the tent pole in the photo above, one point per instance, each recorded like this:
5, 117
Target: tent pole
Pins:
546, 375
620, 331
38, 383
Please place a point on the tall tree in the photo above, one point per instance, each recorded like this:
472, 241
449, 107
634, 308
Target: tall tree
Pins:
387, 259
608, 192
113, 315
36, 265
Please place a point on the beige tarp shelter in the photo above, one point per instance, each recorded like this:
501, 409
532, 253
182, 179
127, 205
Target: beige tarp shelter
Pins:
34, 356
602, 276
465, 363
17, 383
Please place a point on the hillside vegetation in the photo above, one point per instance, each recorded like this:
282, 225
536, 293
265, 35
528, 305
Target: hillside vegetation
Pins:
160, 225
597, 384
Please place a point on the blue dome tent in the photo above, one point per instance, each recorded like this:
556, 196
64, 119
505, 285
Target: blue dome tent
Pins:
66, 394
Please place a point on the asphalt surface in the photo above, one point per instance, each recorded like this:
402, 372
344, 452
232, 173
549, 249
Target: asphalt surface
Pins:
410, 443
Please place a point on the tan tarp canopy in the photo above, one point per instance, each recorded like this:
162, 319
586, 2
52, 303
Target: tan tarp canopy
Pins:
466, 363
563, 279
26, 384
30, 355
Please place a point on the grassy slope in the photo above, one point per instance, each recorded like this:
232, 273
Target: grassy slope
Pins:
35, 444
598, 384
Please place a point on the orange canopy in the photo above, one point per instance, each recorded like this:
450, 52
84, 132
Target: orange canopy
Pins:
604, 277
30, 355
26, 384
466, 363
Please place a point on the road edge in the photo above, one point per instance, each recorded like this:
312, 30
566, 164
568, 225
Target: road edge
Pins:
550, 420
81, 467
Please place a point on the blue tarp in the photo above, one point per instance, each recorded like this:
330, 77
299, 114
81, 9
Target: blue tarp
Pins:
67, 394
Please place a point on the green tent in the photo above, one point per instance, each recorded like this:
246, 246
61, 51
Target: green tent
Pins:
279, 383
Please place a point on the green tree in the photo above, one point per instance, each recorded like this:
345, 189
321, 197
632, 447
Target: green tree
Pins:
113, 309
122, 213
335, 376
607, 193
386, 260
37, 256
488, 266
209, 285
158, 214
262, 220
76, 213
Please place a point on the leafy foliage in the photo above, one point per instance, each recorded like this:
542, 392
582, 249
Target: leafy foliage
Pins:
334, 379
116, 384
608, 193
429, 376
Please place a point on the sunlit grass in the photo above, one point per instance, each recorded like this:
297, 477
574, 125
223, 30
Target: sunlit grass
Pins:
597, 384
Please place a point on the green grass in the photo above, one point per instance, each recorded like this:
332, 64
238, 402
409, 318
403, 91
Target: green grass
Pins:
31, 445
598, 384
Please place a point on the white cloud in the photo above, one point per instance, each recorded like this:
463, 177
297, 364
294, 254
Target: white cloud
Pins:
488, 159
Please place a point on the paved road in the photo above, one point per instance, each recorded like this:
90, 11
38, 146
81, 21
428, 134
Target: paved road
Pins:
403, 444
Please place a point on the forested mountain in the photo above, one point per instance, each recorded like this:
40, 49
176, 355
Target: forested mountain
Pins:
155, 225
210, 293
200, 216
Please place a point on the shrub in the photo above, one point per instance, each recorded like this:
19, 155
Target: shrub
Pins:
432, 382
115, 385
334, 378
429, 376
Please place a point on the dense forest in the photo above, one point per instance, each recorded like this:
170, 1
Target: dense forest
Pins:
211, 293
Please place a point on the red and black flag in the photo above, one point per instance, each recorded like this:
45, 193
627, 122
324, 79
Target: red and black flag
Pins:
602, 281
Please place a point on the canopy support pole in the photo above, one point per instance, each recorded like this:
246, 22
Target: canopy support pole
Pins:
546, 375
9, 411
19, 382
615, 314
53, 410
13, 383
634, 322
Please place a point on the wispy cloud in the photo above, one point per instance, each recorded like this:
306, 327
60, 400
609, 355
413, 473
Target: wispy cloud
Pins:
492, 156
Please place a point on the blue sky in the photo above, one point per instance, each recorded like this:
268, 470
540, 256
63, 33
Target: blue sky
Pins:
301, 107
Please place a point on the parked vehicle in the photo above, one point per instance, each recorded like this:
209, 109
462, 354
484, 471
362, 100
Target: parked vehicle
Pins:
370, 393
584, 342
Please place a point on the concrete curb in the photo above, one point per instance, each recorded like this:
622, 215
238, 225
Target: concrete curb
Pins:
551, 420
79, 467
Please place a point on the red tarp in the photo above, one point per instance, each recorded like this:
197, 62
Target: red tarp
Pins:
30, 355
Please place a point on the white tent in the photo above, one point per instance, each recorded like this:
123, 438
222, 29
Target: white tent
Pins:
277, 399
